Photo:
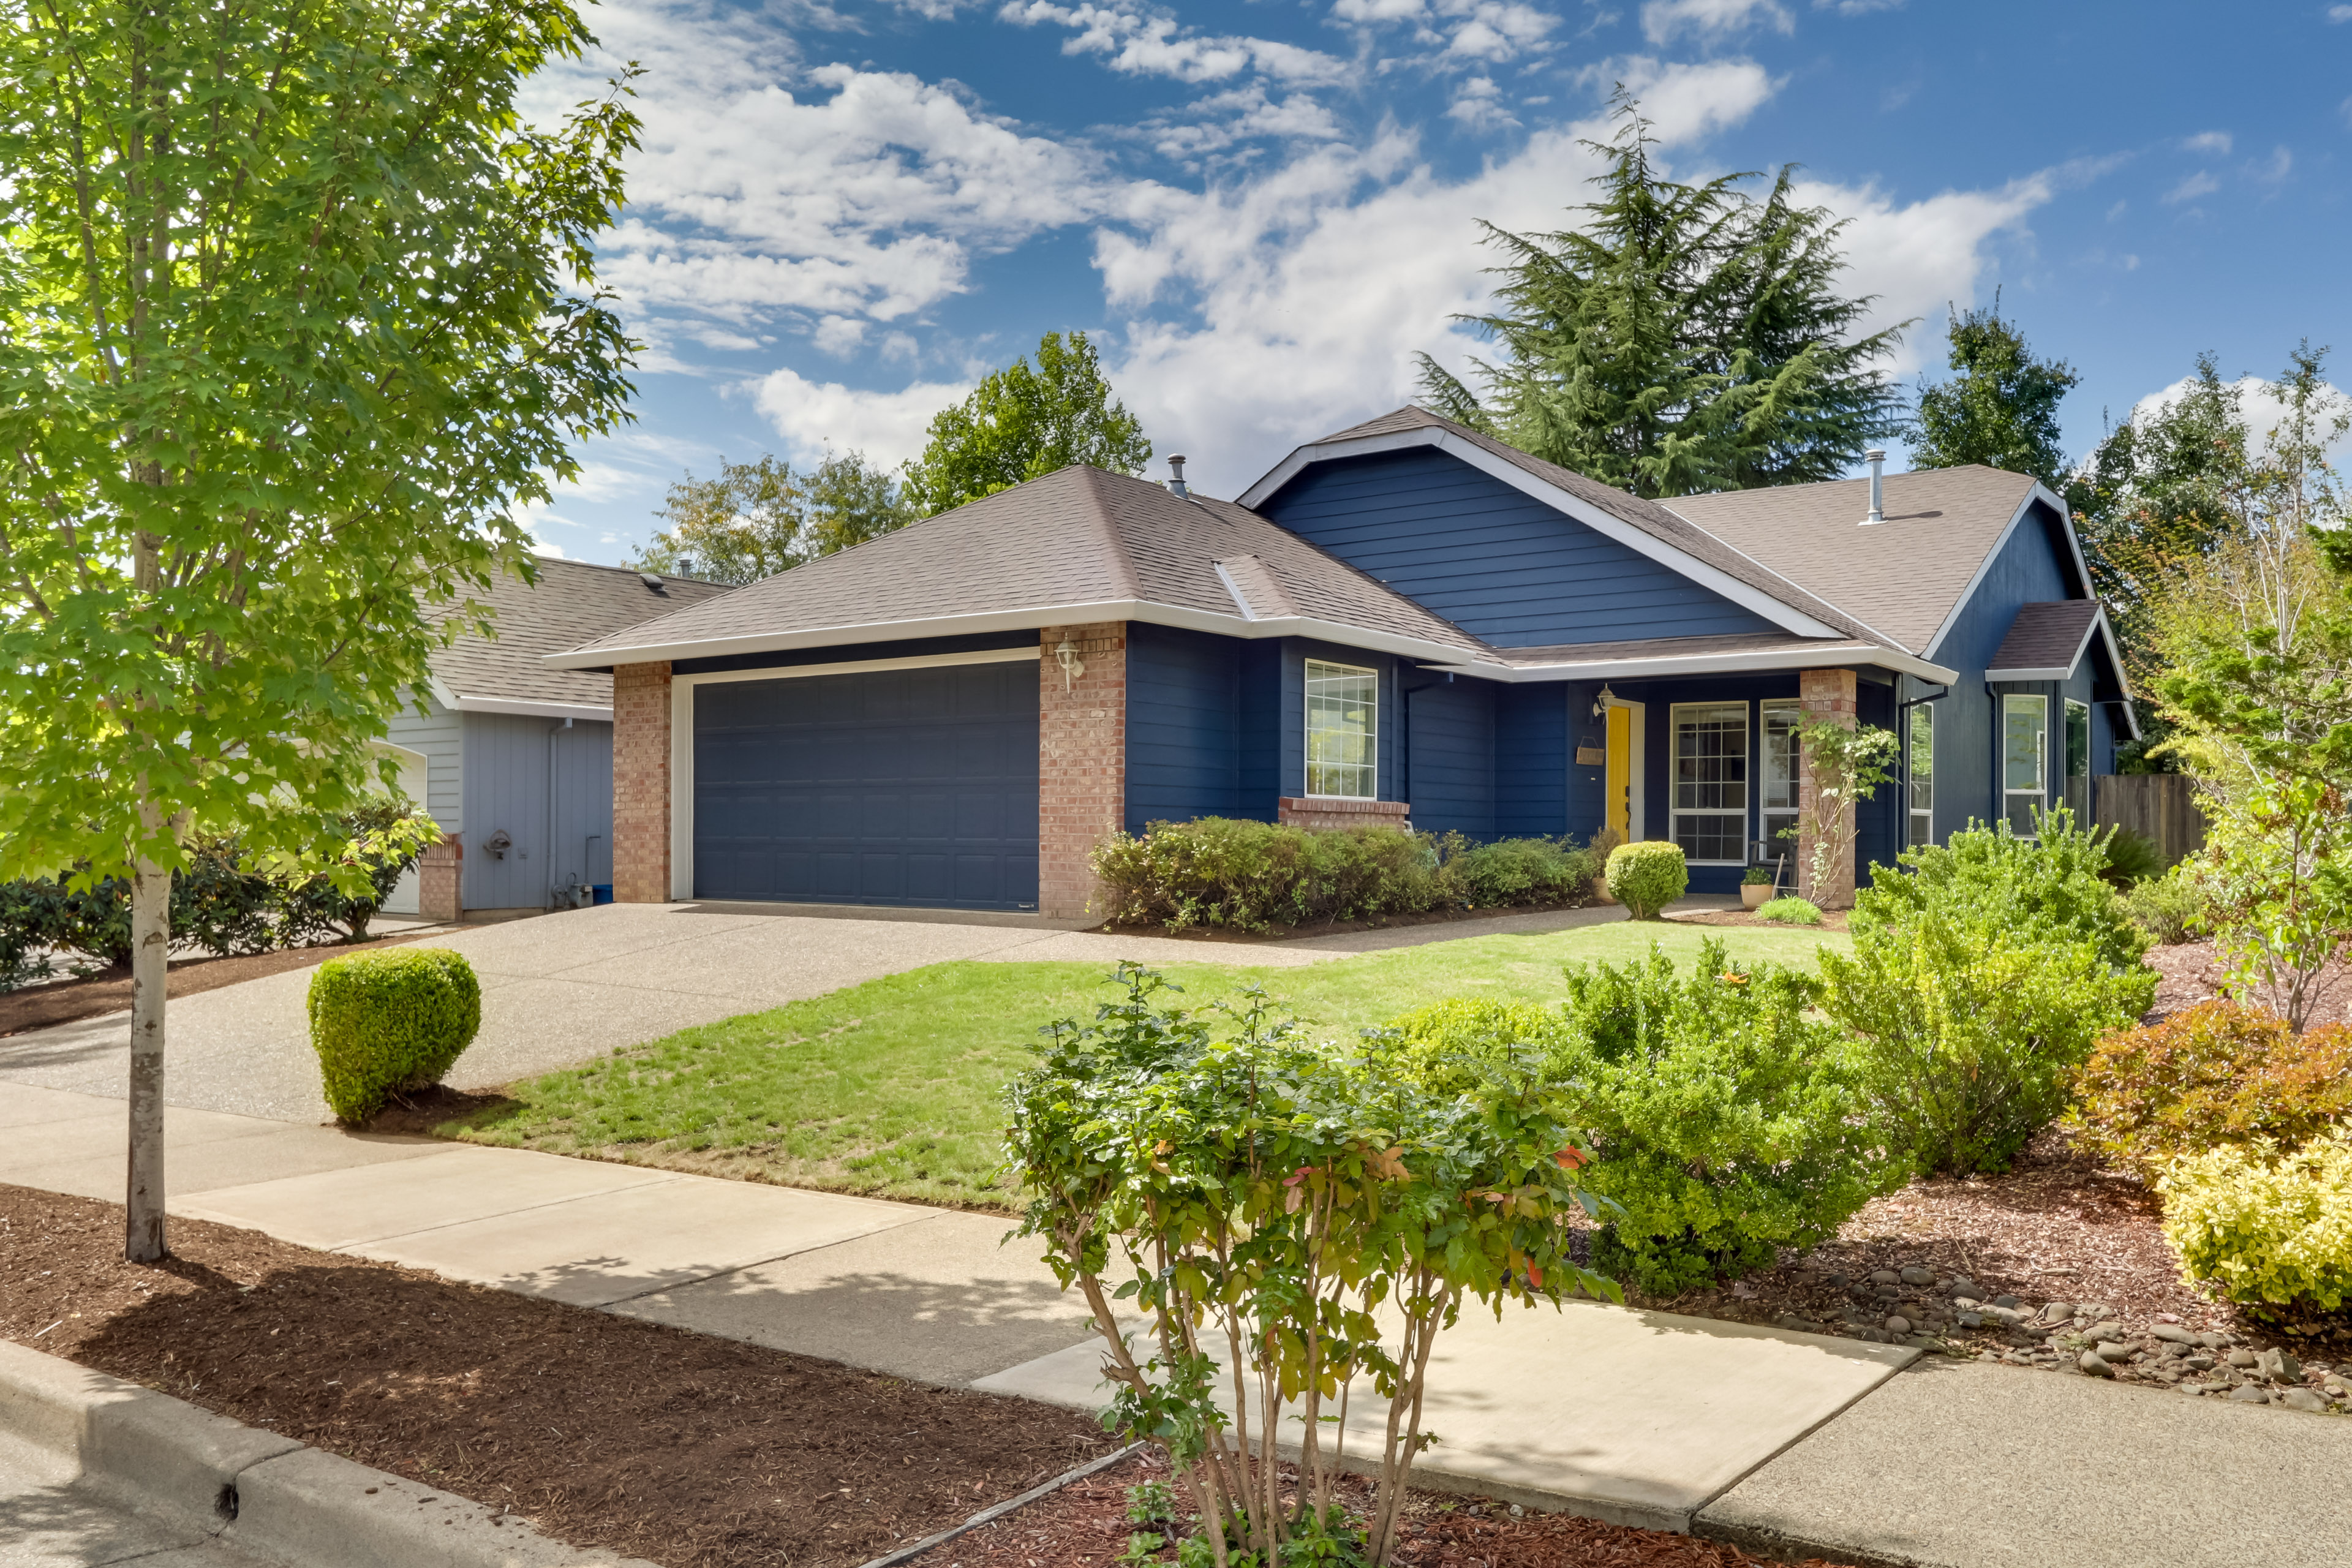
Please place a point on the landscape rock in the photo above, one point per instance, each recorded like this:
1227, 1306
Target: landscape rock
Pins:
1962, 1286
2010, 1301
2172, 1334
1885, 1277
1970, 1319
1916, 1275
1898, 1325
2108, 1328
2094, 1365
2215, 1342
2247, 1393
2303, 1399
2057, 1311
2199, 1363
2279, 1366
2113, 1353
2242, 1359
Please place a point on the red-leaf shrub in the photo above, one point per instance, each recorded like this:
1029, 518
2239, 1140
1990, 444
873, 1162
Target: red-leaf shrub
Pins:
2217, 1074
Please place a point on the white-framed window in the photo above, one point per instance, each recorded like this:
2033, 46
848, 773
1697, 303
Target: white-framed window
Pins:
1709, 800
1781, 765
2024, 758
2078, 760
1919, 774
1343, 732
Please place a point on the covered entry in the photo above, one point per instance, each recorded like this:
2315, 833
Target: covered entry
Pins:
913, 786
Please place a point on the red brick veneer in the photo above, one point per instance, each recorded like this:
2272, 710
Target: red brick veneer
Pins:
641, 783
1081, 761
1824, 694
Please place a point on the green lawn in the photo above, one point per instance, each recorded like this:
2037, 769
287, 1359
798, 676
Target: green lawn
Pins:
890, 1088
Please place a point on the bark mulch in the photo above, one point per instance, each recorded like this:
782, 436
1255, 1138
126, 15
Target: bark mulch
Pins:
108, 989
1086, 1524
691, 1451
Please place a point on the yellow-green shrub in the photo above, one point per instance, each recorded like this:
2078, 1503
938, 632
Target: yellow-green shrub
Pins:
1647, 877
2263, 1228
384, 1022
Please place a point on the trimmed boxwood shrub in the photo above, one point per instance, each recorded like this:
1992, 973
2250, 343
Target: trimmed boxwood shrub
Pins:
2217, 1074
1647, 877
390, 1021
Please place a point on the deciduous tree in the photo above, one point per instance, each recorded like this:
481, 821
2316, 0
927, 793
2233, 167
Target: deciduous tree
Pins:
755, 520
1022, 422
2001, 410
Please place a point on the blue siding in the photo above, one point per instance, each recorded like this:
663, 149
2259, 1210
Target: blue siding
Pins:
1260, 730
1531, 750
1878, 821
1183, 726
1291, 763
1450, 756
1494, 561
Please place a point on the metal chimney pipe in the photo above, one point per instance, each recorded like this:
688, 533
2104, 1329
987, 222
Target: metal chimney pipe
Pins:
1176, 486
1877, 462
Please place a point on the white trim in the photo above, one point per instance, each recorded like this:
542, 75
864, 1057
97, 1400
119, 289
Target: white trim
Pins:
1910, 772
1638, 540
526, 710
681, 730
1306, 730
2000, 750
1750, 799
1240, 600
1707, 663
2040, 492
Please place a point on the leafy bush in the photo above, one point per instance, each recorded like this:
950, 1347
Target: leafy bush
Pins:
1248, 876
2035, 889
2167, 907
1647, 877
389, 1021
1969, 1035
1790, 912
1720, 1113
1758, 877
2265, 1228
1264, 1197
2133, 858
2217, 1074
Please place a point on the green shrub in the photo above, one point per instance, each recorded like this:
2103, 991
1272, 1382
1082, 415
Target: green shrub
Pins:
1968, 1034
2219, 1073
1720, 1113
1758, 877
2033, 888
1790, 912
389, 1021
2264, 1228
1226, 872
2133, 858
2166, 907
1647, 877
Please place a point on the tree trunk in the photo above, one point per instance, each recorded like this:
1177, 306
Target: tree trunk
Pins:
151, 951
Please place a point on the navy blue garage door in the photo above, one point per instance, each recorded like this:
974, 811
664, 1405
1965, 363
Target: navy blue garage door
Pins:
901, 787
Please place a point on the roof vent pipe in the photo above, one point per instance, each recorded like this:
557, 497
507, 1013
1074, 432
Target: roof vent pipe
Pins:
1876, 459
1176, 486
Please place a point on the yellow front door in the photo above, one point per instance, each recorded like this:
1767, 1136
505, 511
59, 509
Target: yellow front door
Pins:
1617, 777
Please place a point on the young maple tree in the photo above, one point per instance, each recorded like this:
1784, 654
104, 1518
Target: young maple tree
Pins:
294, 308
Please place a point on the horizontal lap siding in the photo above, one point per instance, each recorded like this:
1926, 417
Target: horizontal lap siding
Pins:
1531, 747
1494, 561
440, 735
1184, 727
1450, 757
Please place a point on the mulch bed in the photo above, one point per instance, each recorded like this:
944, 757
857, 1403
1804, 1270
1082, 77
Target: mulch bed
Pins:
1085, 1523
691, 1451
108, 989
1831, 919
1334, 928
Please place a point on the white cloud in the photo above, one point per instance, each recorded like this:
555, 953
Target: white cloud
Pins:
838, 335
1154, 43
1857, 7
1478, 105
813, 417
2261, 409
1244, 113
2339, 13
1686, 103
2199, 184
1663, 21
1492, 30
2280, 164
1377, 10
2207, 141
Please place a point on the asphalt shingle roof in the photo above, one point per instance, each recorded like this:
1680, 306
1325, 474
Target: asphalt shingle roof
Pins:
571, 602
2049, 635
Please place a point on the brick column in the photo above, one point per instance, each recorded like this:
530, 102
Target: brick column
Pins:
440, 897
1826, 694
641, 783
1081, 761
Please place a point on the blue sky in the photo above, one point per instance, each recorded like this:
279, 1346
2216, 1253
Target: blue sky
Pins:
844, 214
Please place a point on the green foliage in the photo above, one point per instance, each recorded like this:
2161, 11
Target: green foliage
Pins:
1225, 872
1757, 876
1151, 1503
1022, 424
1678, 338
2047, 886
1721, 1113
298, 311
2133, 858
2216, 1073
1790, 912
2276, 888
2168, 908
2266, 1228
2002, 410
1848, 762
388, 1021
755, 520
1258, 1191
1647, 877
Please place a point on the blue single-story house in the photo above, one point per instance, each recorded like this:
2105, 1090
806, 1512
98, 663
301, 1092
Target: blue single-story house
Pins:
1404, 621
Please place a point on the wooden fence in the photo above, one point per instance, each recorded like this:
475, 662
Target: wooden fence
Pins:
2161, 806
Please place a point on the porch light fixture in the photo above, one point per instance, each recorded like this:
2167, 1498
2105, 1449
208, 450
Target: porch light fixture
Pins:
1067, 655
1601, 703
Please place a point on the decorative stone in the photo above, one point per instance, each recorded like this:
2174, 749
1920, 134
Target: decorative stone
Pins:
2247, 1393
1885, 1277
2199, 1363
1898, 1325
2279, 1366
1962, 1285
2172, 1334
2213, 1341
1917, 1276
1970, 1319
2113, 1353
2010, 1301
2094, 1365
2108, 1328
2303, 1399
2057, 1311
2242, 1359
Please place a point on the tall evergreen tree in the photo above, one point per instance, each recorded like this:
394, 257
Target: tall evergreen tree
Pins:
1682, 339
2001, 410
1022, 422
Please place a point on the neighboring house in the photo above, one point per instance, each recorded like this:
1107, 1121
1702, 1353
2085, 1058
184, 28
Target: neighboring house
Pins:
1403, 621
514, 759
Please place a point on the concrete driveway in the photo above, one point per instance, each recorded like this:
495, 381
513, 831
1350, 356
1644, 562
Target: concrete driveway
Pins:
562, 988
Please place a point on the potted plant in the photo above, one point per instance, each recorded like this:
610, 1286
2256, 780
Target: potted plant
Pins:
1756, 888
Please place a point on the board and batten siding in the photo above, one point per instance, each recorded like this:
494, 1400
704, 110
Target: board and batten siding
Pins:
440, 735
1498, 564
507, 762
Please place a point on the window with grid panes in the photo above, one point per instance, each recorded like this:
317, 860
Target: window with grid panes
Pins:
1920, 777
1342, 731
1781, 762
1709, 798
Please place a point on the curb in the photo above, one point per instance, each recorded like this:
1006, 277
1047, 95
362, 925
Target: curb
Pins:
267, 1495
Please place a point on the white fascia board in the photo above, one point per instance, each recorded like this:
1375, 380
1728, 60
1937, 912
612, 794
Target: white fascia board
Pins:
1640, 540
1240, 600
439, 692
521, 709
1712, 663
1028, 653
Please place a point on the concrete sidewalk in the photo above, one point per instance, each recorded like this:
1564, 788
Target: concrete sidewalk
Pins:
564, 988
